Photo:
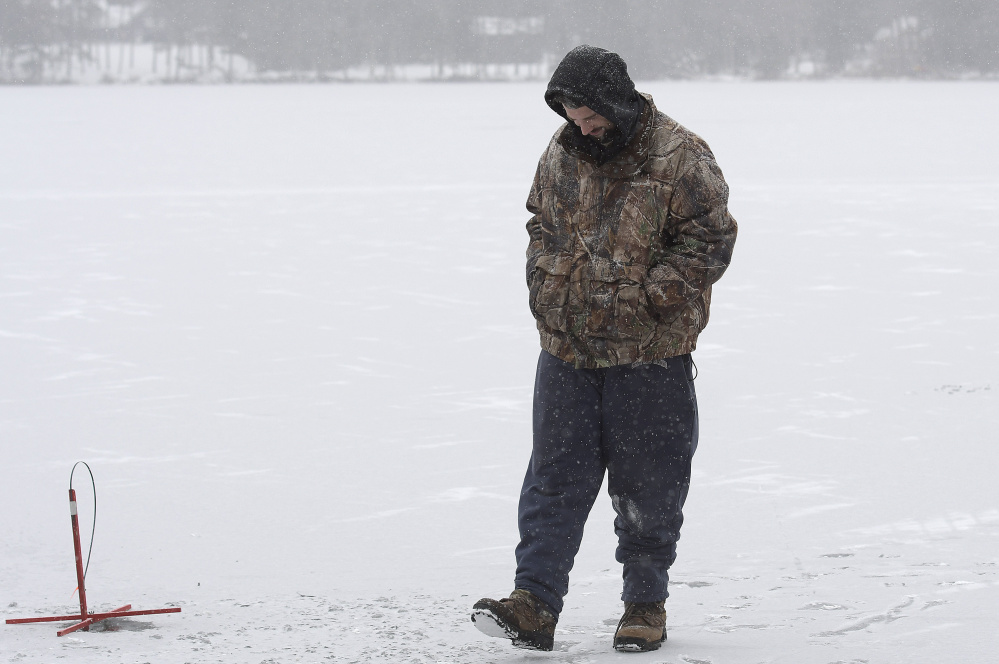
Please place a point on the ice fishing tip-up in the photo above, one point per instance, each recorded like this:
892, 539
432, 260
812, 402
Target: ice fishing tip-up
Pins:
83, 618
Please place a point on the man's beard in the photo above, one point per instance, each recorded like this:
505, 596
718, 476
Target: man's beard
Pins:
608, 137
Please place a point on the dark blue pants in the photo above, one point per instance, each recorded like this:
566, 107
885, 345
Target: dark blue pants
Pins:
637, 423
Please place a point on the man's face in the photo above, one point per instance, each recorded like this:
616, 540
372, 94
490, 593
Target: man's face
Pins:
588, 121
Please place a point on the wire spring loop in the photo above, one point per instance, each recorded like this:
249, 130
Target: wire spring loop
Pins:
93, 527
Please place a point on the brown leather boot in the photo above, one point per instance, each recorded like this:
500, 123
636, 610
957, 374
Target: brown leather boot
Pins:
641, 628
521, 617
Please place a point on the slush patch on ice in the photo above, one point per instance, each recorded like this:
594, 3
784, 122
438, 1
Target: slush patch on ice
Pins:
888, 616
692, 584
968, 585
121, 625
823, 606
963, 389
726, 629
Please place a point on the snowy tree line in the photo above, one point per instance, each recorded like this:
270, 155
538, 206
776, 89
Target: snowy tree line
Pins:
225, 40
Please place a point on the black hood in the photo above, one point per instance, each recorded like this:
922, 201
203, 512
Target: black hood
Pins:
599, 80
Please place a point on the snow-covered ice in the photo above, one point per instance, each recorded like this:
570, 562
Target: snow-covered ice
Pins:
287, 328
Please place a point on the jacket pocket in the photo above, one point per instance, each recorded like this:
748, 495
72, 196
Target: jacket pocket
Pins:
619, 306
550, 290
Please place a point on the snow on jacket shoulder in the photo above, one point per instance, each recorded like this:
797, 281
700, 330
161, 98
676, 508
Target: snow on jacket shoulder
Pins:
622, 255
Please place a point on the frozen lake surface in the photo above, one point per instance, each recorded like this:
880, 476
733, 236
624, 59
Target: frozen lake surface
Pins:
287, 327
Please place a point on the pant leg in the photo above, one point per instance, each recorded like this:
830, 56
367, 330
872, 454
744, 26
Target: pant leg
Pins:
563, 478
650, 434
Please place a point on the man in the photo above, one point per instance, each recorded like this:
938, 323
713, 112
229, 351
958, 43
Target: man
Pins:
630, 230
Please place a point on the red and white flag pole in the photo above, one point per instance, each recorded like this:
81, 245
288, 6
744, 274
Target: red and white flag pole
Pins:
78, 550
85, 619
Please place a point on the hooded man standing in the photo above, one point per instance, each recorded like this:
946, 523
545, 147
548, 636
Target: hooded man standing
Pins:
630, 229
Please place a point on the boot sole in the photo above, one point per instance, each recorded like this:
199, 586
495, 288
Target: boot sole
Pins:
635, 644
490, 624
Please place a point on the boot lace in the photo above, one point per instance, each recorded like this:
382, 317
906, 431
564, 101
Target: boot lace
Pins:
649, 613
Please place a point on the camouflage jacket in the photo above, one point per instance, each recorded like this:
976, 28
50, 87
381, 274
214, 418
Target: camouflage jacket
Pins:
622, 256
